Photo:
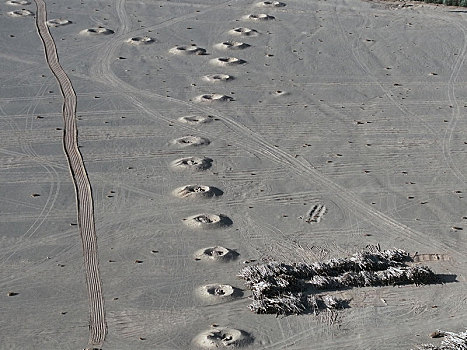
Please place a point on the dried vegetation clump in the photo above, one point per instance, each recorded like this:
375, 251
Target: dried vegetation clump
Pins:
451, 341
282, 288
462, 3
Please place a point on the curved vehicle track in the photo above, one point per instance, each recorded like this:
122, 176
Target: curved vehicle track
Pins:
456, 69
97, 324
252, 140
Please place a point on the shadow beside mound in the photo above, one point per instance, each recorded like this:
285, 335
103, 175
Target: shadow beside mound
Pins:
217, 192
225, 220
446, 278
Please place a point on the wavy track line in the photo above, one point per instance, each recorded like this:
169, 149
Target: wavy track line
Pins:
85, 207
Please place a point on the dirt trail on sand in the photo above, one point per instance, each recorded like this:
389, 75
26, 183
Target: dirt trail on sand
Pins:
97, 324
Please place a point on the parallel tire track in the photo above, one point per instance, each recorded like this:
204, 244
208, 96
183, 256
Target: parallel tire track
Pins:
85, 207
256, 142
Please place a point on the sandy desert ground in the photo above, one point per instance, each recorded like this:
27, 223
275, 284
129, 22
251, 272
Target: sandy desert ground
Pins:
213, 135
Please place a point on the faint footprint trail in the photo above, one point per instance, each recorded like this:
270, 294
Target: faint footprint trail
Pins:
85, 207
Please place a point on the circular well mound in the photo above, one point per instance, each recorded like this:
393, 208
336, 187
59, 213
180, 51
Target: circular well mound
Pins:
187, 50
231, 45
216, 254
218, 337
140, 40
197, 191
57, 22
18, 2
208, 98
259, 17
20, 13
243, 31
97, 31
208, 221
216, 78
270, 4
227, 61
195, 119
187, 141
218, 293
192, 163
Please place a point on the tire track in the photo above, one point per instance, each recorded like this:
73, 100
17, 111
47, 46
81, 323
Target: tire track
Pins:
447, 139
85, 207
53, 191
255, 141
451, 98
299, 166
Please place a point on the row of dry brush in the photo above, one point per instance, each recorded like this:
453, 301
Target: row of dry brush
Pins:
462, 3
451, 341
279, 288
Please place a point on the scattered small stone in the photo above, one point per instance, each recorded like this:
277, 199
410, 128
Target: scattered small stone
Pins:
12, 294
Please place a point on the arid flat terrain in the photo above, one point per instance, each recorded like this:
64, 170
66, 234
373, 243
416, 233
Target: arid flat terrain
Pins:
151, 150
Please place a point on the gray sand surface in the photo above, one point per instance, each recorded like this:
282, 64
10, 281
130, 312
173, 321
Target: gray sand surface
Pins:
356, 109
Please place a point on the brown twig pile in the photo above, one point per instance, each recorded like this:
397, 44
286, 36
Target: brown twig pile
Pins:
279, 288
